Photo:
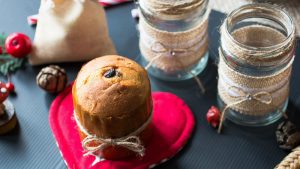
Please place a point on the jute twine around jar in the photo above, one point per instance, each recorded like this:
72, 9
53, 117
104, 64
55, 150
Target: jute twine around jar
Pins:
254, 57
252, 95
170, 8
173, 51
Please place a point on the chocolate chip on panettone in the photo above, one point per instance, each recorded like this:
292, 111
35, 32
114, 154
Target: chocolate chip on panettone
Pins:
288, 135
52, 79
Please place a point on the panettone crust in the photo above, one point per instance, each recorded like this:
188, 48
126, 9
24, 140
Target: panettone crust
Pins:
112, 107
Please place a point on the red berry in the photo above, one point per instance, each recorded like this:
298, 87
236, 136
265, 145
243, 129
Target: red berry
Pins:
10, 87
3, 92
18, 45
213, 116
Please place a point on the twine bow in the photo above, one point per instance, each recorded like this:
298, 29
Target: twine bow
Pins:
173, 52
132, 143
164, 49
262, 97
92, 143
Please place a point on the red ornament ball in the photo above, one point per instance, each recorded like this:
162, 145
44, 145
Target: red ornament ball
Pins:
213, 116
18, 45
10, 87
3, 92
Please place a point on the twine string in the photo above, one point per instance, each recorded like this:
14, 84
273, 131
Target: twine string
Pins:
164, 49
152, 61
198, 81
261, 96
132, 143
173, 52
92, 143
172, 8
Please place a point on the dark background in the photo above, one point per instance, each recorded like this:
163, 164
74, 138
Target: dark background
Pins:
32, 144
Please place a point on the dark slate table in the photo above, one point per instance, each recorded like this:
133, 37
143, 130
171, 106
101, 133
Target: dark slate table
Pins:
32, 145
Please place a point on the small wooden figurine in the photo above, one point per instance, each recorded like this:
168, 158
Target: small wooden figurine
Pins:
8, 119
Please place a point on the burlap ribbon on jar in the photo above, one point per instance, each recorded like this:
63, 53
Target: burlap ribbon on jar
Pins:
252, 95
92, 144
252, 56
170, 8
173, 51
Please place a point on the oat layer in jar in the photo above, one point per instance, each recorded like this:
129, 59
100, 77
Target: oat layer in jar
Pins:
174, 37
256, 55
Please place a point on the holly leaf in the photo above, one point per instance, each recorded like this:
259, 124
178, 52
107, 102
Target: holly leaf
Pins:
9, 64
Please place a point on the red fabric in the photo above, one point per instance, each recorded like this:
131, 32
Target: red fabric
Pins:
173, 125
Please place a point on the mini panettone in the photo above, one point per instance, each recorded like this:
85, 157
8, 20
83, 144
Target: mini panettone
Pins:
113, 107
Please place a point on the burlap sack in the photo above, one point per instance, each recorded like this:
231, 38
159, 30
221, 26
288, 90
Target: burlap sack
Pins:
70, 30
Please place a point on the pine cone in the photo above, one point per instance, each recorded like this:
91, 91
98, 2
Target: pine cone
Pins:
52, 78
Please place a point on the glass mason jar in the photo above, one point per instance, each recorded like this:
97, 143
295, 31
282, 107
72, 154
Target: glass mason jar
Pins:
256, 53
174, 38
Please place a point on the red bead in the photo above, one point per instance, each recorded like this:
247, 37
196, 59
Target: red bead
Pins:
10, 87
213, 116
18, 45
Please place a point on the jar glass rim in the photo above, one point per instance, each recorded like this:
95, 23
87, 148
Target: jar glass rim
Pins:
263, 7
144, 9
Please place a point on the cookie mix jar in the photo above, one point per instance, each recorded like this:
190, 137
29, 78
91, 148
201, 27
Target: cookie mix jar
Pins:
174, 38
256, 55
